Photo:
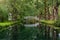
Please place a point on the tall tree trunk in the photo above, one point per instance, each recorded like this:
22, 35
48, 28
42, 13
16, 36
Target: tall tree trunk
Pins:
45, 9
48, 12
55, 10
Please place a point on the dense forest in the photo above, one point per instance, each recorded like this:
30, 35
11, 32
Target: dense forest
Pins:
29, 19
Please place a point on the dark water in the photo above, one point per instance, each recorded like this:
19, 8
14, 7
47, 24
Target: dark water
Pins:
29, 33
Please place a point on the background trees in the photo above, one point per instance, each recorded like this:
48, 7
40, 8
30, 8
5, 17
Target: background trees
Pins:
43, 9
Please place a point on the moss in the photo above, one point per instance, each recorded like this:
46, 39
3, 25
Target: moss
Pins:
51, 22
5, 23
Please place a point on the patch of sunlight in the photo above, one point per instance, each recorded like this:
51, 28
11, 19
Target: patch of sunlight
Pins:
51, 22
5, 23
2, 1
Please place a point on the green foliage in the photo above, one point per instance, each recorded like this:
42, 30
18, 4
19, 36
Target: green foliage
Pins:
3, 13
25, 7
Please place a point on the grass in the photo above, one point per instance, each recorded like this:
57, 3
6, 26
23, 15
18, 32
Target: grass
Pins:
5, 23
51, 22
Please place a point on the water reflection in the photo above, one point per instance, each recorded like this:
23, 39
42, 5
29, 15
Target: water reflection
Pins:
31, 25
